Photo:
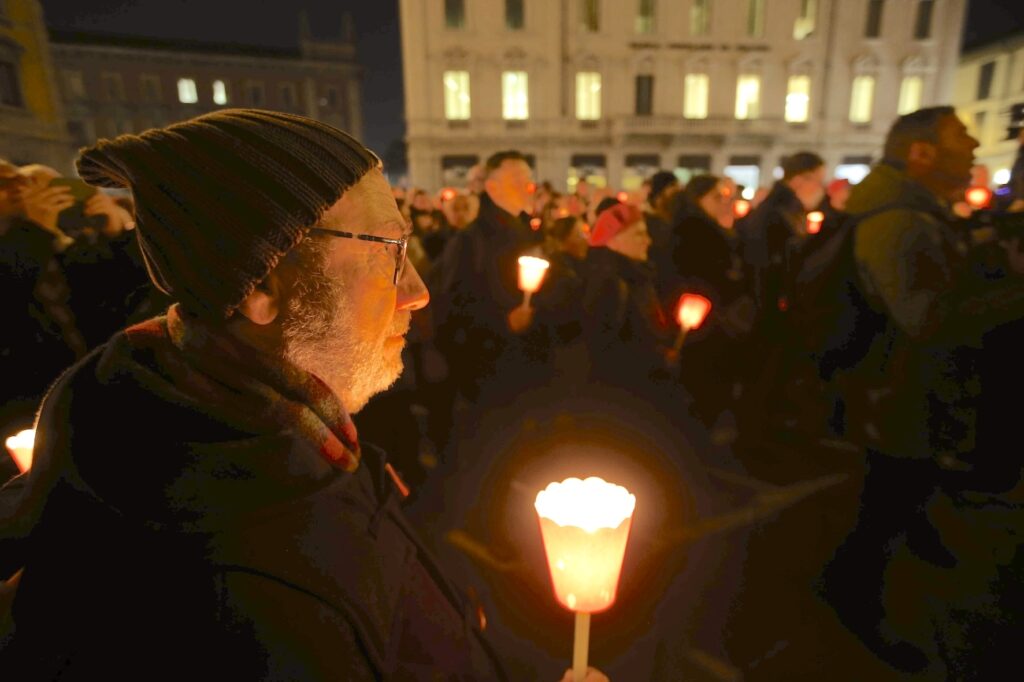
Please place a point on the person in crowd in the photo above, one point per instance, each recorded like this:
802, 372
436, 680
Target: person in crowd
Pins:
459, 211
477, 309
703, 261
107, 278
624, 328
39, 323
774, 229
475, 178
664, 186
921, 415
833, 207
259, 539
558, 314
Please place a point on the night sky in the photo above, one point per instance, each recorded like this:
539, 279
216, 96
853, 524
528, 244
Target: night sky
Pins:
275, 24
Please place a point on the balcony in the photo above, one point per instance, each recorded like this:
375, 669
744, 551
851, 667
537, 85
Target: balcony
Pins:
677, 126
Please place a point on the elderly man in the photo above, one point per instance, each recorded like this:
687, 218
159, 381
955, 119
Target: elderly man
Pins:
200, 504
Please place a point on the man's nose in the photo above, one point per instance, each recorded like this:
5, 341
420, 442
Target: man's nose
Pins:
412, 292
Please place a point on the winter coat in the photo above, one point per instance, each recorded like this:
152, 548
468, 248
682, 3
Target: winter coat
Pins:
624, 328
473, 288
925, 364
171, 537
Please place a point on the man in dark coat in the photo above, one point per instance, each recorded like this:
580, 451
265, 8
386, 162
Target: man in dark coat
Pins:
477, 301
200, 503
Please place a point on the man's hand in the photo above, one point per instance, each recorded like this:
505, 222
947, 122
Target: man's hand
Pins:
42, 204
593, 675
520, 319
118, 219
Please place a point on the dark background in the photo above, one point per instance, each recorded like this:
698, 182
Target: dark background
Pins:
378, 43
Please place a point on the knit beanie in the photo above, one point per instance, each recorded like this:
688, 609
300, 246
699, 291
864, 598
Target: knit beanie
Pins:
220, 198
660, 181
612, 221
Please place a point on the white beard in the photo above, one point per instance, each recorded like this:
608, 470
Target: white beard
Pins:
321, 337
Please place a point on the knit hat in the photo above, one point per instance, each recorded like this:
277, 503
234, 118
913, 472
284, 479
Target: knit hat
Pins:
612, 221
219, 199
660, 181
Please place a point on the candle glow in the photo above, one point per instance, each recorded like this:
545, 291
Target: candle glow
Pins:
531, 273
741, 208
978, 197
585, 526
693, 309
20, 447
814, 221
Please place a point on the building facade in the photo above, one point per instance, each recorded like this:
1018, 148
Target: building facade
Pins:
111, 86
989, 82
613, 90
31, 114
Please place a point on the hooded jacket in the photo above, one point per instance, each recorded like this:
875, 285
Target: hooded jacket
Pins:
196, 510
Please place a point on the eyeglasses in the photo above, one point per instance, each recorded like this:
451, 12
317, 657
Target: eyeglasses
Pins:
402, 244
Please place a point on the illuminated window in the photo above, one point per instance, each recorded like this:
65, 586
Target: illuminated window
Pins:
873, 29
220, 92
748, 96
454, 13
187, 93
515, 96
798, 99
755, 18
923, 21
588, 95
590, 15
700, 17
456, 95
514, 15
695, 95
862, 97
805, 21
645, 16
910, 94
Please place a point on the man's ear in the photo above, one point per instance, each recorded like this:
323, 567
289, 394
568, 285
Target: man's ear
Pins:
922, 154
263, 305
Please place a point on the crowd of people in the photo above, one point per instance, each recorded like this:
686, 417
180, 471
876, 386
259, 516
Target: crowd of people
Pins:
882, 315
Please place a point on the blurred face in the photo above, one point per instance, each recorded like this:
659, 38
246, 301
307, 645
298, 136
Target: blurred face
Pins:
664, 202
718, 205
509, 186
345, 321
459, 211
10, 181
576, 244
809, 188
955, 157
838, 197
633, 242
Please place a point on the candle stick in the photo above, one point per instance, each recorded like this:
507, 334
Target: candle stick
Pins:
693, 309
814, 221
585, 526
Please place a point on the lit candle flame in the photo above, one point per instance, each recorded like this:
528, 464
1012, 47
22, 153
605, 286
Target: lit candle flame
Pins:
814, 221
20, 446
531, 273
693, 309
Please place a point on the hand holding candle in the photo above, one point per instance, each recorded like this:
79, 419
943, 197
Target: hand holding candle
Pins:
693, 310
20, 447
531, 275
584, 525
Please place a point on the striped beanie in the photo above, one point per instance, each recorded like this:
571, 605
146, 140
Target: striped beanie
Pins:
613, 221
220, 198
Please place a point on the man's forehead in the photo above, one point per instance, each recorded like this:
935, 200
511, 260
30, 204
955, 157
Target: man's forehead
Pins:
368, 206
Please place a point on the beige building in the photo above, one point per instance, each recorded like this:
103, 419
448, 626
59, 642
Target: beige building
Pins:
31, 115
112, 85
614, 89
988, 82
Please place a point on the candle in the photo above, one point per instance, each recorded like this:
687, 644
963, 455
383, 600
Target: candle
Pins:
814, 221
531, 275
740, 208
584, 525
978, 197
20, 447
692, 311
